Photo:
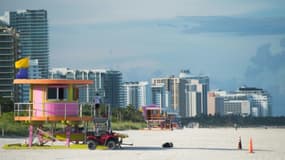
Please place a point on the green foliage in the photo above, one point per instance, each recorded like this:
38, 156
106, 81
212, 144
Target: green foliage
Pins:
12, 127
128, 125
7, 105
130, 113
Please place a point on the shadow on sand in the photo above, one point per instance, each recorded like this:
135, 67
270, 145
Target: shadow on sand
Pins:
152, 148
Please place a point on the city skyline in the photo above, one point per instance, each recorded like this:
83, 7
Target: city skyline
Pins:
187, 95
234, 43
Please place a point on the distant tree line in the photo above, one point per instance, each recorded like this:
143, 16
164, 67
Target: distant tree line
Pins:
128, 113
234, 120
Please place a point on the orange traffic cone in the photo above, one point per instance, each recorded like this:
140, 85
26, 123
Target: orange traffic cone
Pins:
250, 148
239, 144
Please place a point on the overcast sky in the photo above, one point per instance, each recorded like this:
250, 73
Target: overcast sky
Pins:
233, 42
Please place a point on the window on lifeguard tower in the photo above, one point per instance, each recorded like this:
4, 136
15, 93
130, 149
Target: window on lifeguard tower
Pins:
56, 93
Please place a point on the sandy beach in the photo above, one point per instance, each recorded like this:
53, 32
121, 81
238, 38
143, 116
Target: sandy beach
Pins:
210, 143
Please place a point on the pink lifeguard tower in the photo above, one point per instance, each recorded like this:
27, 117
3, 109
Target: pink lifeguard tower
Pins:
53, 101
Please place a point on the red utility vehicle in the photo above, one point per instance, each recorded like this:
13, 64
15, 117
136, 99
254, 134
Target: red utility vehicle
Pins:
102, 133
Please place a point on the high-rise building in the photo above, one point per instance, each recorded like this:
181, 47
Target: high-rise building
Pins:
9, 51
161, 97
34, 72
215, 104
260, 100
113, 88
247, 101
233, 103
199, 86
175, 87
32, 26
237, 107
136, 94
193, 103
107, 84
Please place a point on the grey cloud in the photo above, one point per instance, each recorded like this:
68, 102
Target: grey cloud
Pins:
228, 25
282, 42
267, 70
265, 60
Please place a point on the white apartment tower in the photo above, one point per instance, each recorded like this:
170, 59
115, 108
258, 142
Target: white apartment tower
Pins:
246, 101
136, 94
161, 97
260, 100
196, 91
193, 103
175, 88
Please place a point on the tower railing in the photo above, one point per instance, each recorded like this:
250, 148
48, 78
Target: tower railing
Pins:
28, 110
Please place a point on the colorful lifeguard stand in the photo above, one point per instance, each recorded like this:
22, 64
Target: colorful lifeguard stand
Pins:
156, 117
52, 101
153, 115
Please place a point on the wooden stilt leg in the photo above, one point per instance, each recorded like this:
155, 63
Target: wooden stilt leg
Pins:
30, 135
68, 132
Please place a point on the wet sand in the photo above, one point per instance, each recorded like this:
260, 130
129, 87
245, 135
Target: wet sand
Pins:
213, 143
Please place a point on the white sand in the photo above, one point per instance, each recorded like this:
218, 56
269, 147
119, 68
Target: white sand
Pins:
210, 144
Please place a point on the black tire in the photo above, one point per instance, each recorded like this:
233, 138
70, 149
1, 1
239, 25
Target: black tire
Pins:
92, 144
111, 144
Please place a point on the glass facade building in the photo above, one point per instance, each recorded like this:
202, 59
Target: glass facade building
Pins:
136, 94
9, 51
32, 26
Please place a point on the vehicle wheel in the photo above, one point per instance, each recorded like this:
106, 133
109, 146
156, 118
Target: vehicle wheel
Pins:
92, 144
111, 144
